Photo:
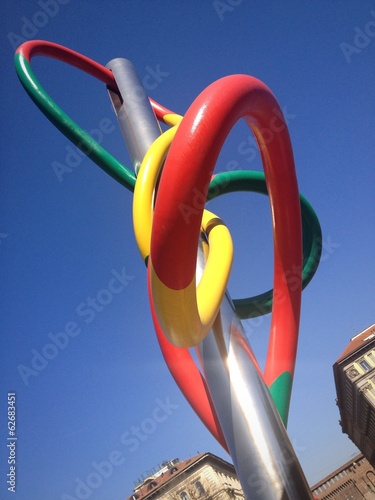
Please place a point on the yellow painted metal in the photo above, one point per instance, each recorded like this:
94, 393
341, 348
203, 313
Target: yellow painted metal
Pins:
191, 311
187, 315
143, 199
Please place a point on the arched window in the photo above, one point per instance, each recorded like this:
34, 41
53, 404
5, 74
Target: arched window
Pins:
371, 476
200, 489
184, 495
152, 485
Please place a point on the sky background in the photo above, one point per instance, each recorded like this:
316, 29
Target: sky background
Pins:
63, 240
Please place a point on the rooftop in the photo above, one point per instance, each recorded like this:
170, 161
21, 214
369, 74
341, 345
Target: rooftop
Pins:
174, 468
163, 475
357, 342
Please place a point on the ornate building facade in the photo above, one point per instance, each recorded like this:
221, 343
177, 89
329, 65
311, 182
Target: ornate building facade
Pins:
354, 480
354, 373
204, 476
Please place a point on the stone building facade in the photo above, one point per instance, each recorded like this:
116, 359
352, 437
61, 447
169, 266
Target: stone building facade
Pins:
354, 480
204, 476
354, 373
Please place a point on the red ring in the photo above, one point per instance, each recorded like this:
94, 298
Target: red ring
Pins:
69, 56
189, 379
183, 189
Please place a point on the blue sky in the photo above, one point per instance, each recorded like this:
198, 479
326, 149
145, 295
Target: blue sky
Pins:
65, 240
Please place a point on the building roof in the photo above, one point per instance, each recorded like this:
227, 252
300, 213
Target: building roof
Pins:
156, 481
357, 342
337, 471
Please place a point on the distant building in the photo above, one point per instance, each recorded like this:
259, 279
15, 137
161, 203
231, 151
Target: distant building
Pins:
354, 480
204, 476
354, 373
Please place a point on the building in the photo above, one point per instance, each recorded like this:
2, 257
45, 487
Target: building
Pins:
354, 373
207, 477
204, 476
355, 480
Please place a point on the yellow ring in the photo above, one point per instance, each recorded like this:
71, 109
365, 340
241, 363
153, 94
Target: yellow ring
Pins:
186, 316
145, 187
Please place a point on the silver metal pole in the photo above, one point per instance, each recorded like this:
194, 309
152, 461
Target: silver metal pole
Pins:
262, 453
135, 116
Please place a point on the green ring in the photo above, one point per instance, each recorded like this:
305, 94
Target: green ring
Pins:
247, 180
69, 127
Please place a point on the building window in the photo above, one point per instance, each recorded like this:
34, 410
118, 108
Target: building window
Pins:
364, 364
200, 489
184, 495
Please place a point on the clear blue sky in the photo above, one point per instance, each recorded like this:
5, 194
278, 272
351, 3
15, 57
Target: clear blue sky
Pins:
63, 241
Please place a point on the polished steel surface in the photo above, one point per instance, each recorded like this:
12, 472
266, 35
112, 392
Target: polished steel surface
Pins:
262, 453
134, 113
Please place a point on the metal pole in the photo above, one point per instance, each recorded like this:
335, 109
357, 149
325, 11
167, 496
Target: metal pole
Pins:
262, 453
135, 116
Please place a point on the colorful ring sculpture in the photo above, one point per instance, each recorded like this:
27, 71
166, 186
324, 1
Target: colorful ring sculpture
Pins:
175, 180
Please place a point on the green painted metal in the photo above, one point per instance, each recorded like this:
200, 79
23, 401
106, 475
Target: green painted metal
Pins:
69, 127
254, 181
281, 391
